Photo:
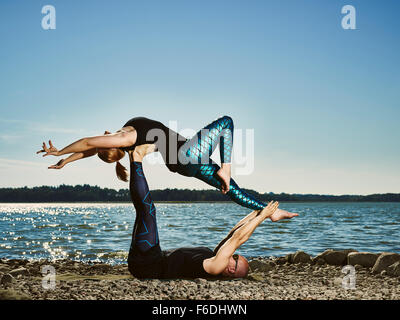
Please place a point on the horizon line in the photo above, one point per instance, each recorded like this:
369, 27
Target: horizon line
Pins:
200, 190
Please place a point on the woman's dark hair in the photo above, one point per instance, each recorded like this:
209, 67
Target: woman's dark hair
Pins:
114, 155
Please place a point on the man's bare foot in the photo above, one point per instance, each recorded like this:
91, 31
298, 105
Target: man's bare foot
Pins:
225, 175
280, 214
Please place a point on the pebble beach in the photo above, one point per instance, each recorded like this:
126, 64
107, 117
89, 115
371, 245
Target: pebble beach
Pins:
296, 276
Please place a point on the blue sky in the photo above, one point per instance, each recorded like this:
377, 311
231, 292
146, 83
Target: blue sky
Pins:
323, 101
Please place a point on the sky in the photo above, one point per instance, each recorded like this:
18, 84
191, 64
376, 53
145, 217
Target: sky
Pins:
323, 101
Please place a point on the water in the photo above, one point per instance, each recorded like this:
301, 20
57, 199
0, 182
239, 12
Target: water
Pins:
102, 232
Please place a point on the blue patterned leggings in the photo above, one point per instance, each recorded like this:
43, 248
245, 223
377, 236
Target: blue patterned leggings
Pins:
196, 153
145, 233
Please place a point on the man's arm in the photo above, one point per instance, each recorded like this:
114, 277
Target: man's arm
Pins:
249, 217
219, 262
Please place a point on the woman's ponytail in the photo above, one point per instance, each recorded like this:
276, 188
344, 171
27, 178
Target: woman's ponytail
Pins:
114, 155
121, 171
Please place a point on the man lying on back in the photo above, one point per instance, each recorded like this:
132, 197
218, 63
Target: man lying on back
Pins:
147, 260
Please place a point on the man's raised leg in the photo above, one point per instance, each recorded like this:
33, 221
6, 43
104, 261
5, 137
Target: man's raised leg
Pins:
145, 233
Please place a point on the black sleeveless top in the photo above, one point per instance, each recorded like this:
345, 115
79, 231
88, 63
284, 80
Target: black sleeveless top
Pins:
169, 264
166, 140
186, 263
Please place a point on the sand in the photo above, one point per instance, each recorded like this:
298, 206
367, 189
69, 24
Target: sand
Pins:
269, 278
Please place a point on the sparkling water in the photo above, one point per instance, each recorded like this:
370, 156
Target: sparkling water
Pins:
102, 232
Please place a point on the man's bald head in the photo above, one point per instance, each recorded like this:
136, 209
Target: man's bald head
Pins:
238, 267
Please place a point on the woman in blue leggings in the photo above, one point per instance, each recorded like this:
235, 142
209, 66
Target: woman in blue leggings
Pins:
188, 157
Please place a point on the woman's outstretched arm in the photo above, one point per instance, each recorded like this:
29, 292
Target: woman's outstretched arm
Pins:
74, 157
115, 140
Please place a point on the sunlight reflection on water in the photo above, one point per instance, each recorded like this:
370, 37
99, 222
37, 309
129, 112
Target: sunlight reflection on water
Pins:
102, 232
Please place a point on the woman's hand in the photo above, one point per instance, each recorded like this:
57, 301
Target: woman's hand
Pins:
60, 164
51, 151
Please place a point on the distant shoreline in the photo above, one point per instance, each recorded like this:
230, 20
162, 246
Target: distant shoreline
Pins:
88, 194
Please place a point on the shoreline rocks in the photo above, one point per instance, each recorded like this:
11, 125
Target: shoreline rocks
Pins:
301, 257
261, 266
7, 279
385, 260
295, 276
20, 271
394, 269
365, 259
334, 257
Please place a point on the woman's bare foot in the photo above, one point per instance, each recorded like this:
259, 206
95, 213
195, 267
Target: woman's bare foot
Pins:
225, 175
280, 214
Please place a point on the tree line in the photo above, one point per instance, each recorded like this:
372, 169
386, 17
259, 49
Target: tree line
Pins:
87, 193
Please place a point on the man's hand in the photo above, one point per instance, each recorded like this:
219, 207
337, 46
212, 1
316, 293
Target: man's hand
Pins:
269, 209
141, 151
60, 164
48, 151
